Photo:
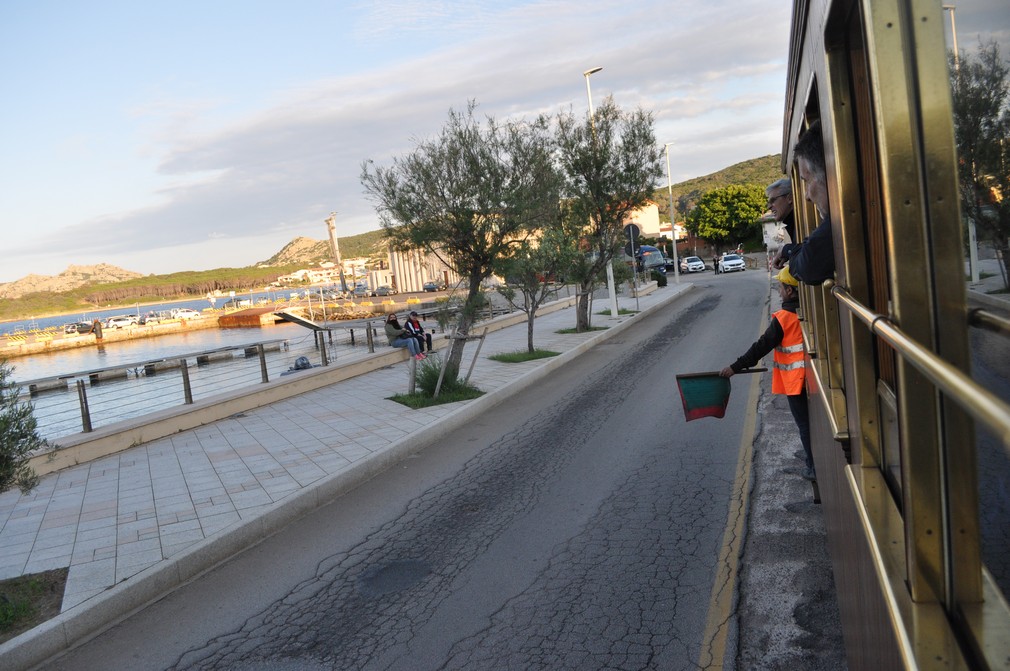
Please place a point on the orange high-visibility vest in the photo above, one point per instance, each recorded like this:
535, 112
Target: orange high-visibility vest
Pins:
790, 366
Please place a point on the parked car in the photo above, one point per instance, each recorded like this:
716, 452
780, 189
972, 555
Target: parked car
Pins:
185, 313
77, 327
650, 258
691, 264
385, 290
670, 264
120, 321
431, 286
730, 263
362, 292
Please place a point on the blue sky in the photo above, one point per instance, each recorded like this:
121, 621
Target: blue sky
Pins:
166, 136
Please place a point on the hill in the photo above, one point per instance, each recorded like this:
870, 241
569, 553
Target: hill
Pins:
307, 251
71, 278
80, 288
761, 171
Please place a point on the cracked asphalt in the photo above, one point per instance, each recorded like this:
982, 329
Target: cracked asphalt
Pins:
579, 525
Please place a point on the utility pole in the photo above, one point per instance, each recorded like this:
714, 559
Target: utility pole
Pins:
331, 225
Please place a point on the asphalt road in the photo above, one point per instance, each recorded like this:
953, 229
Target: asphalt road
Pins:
579, 525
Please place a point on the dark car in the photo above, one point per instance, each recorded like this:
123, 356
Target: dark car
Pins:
430, 286
385, 290
76, 327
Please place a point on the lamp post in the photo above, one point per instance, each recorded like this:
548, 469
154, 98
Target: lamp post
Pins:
673, 222
611, 289
972, 243
331, 225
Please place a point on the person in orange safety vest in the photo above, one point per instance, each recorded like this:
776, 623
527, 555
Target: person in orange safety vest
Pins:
784, 336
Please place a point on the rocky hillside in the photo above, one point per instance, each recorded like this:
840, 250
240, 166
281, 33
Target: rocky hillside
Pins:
71, 278
300, 251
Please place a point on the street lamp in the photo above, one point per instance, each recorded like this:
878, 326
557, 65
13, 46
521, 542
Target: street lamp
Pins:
611, 289
673, 222
972, 242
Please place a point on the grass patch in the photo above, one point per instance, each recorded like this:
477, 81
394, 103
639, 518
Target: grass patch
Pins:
425, 380
620, 311
29, 600
422, 400
523, 355
591, 328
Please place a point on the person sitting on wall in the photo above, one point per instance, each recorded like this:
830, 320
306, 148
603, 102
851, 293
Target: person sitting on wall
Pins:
399, 337
414, 328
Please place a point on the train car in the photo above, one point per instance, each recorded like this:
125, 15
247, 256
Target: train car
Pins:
894, 408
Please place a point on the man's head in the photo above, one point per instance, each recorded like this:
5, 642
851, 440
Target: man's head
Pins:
780, 198
809, 156
788, 285
413, 315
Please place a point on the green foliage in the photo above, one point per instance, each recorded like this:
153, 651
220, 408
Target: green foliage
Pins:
686, 195
611, 163
728, 215
981, 100
659, 278
469, 195
19, 437
521, 356
148, 289
425, 380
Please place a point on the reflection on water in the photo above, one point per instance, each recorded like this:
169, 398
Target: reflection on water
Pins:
149, 349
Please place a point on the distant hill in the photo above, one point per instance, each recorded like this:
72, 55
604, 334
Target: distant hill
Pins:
71, 278
307, 251
761, 171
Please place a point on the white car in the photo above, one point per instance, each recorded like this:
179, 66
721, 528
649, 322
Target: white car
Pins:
186, 313
691, 264
120, 321
731, 262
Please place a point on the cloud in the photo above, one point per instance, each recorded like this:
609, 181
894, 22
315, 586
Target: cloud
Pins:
713, 73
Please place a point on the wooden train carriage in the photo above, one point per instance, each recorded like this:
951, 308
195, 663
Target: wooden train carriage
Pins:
893, 407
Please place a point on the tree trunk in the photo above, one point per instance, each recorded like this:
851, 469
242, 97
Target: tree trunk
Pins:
467, 316
530, 316
582, 307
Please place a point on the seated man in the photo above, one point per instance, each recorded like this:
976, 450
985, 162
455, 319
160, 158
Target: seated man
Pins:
414, 328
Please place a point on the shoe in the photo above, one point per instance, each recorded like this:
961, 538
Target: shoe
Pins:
419, 356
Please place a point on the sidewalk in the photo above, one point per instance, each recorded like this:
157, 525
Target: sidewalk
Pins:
132, 525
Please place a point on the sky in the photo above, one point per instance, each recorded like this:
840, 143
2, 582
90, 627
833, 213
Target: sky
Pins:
188, 135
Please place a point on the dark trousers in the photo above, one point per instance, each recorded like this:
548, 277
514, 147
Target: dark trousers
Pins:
422, 339
801, 415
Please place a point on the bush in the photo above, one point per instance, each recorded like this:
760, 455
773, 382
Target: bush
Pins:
19, 437
660, 278
427, 377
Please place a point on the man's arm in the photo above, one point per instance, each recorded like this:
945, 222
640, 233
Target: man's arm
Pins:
814, 260
768, 341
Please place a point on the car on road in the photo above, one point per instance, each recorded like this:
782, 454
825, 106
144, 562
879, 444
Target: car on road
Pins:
430, 286
691, 264
362, 292
671, 265
186, 313
731, 262
385, 290
120, 321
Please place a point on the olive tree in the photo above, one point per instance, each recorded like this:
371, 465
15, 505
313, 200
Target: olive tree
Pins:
533, 269
19, 437
611, 165
980, 87
469, 195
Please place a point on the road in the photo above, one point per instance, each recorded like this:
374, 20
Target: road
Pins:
579, 525
991, 369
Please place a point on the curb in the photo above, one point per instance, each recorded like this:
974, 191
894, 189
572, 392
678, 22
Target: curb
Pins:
120, 601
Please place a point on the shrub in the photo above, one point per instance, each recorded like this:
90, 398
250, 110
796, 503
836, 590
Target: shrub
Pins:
19, 437
659, 277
